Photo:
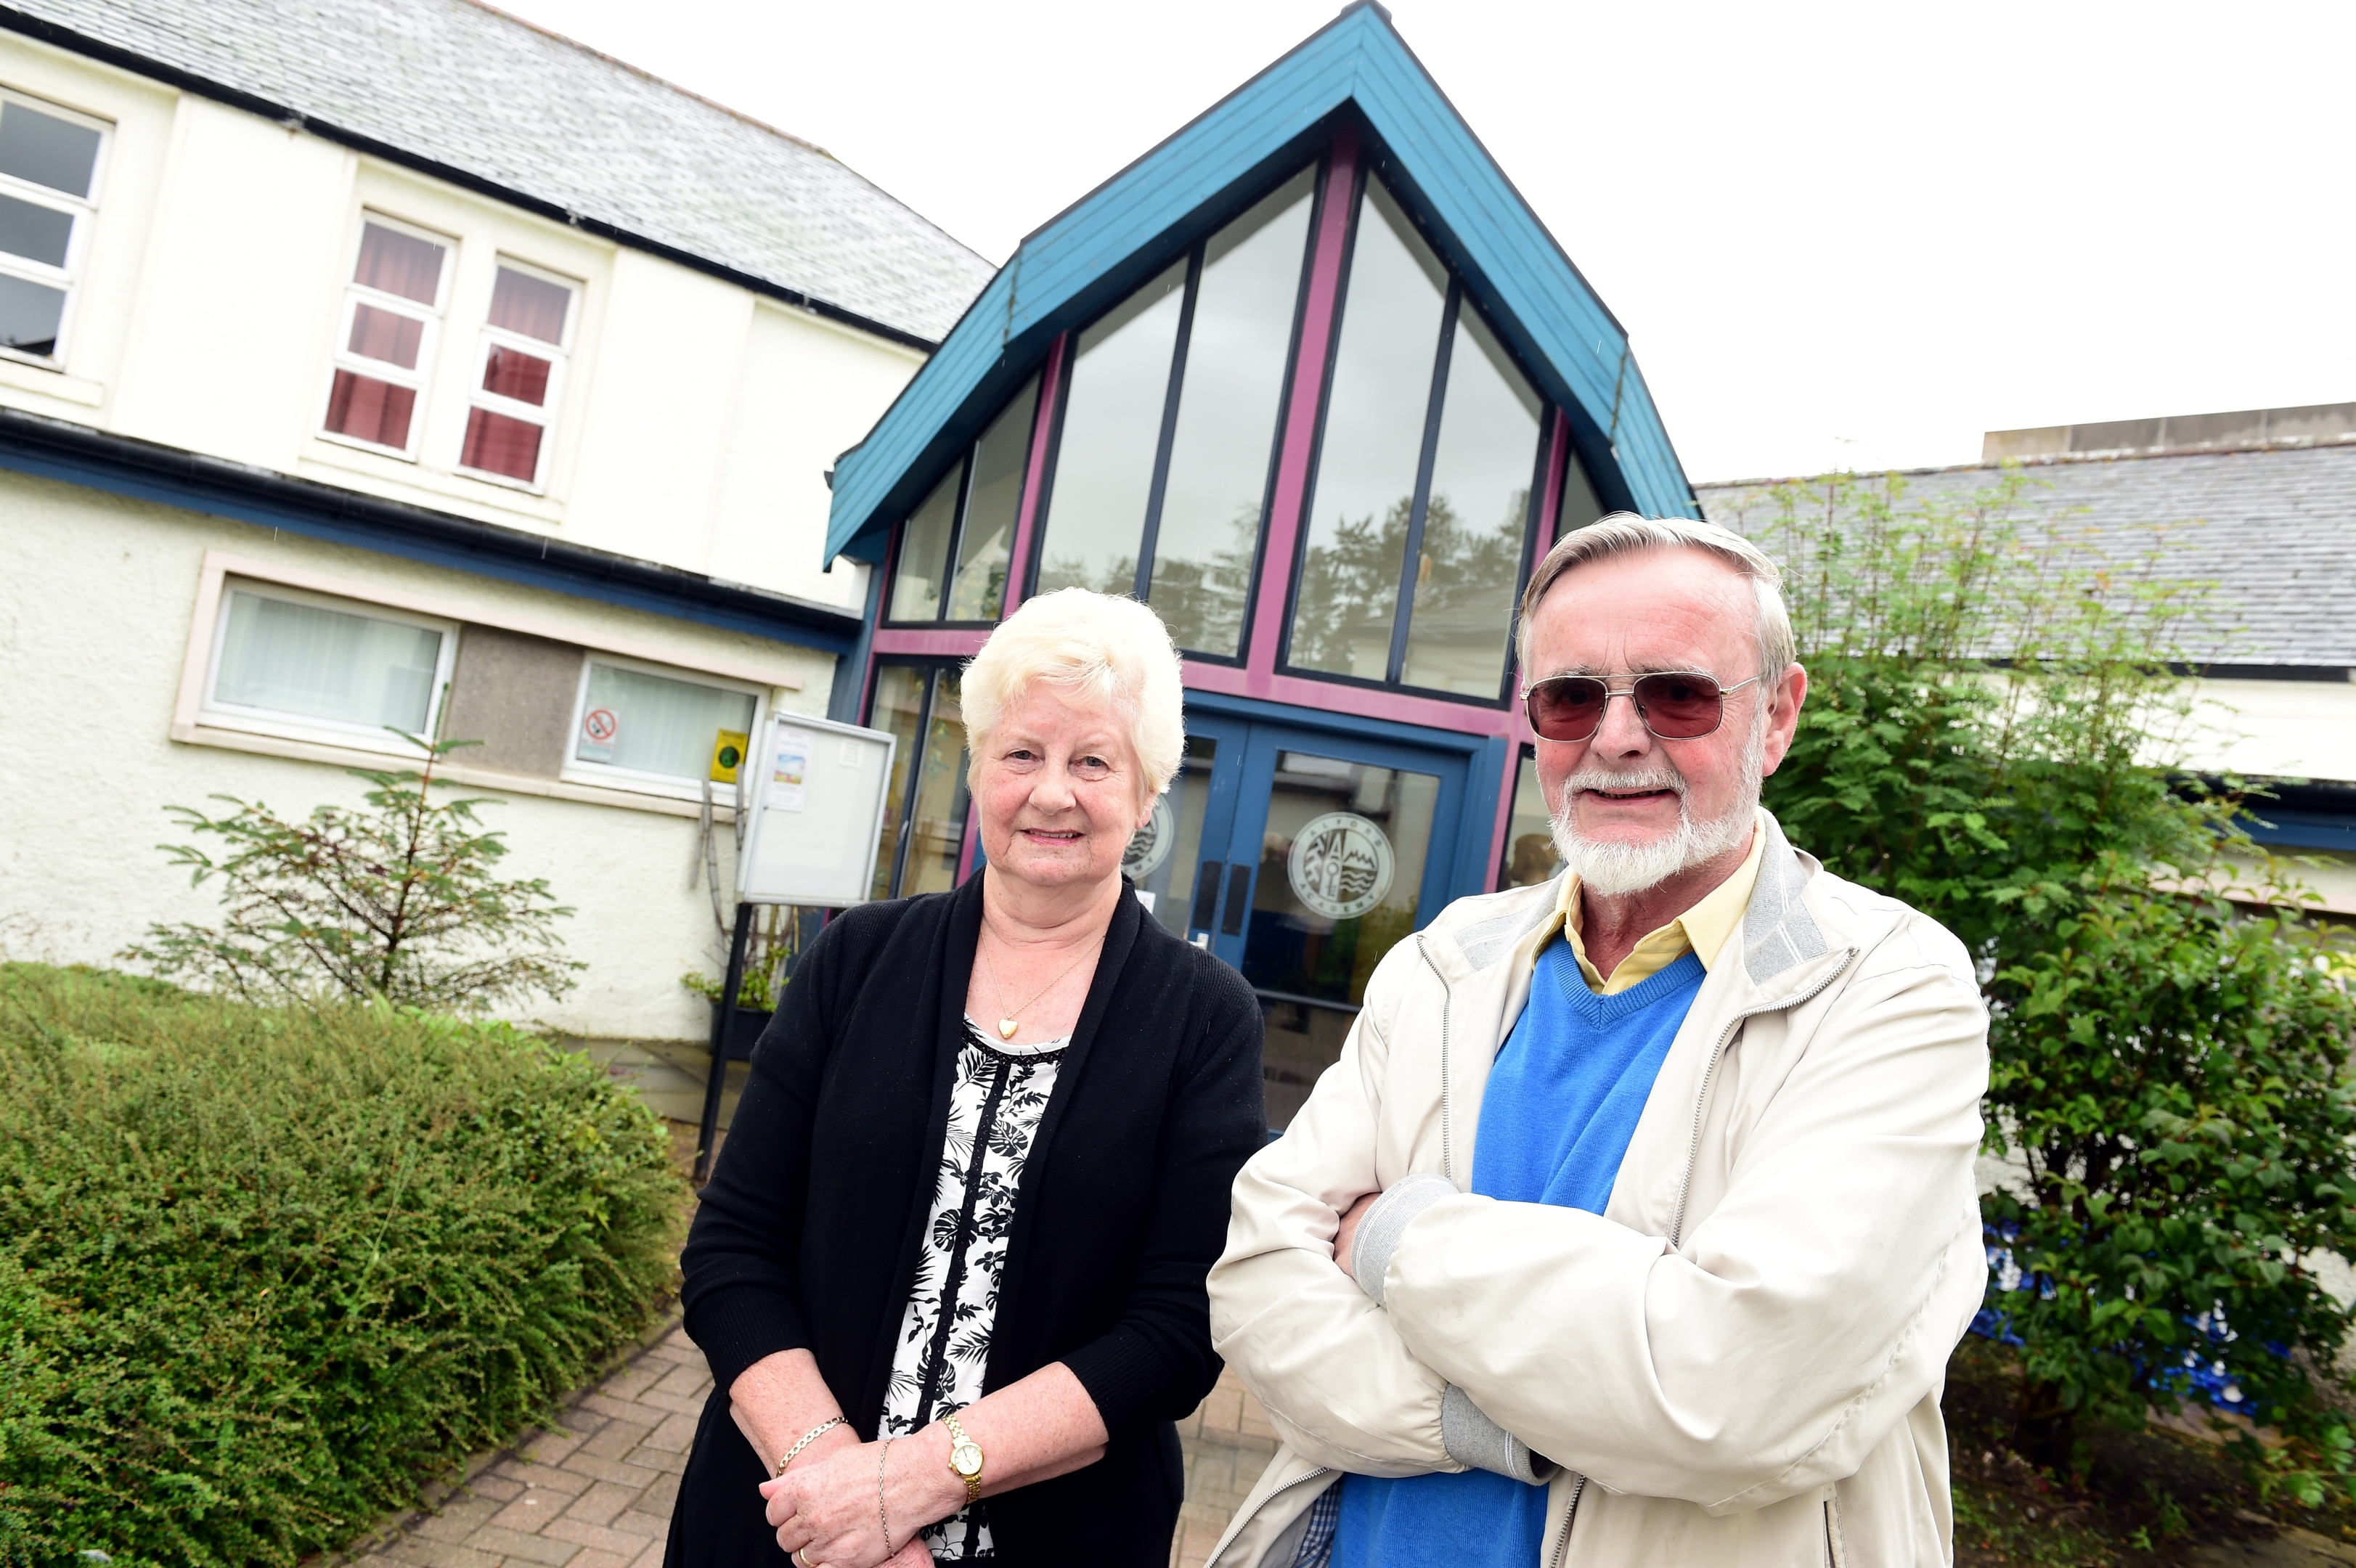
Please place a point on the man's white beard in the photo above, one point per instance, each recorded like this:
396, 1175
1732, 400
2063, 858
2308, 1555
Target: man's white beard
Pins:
1612, 866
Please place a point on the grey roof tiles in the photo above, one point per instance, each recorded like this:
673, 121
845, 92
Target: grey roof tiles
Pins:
2272, 532
475, 89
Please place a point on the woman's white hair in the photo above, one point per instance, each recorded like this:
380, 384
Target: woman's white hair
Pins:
1111, 649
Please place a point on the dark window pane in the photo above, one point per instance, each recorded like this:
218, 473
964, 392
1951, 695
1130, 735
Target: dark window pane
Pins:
397, 263
937, 836
521, 302
497, 444
29, 314
380, 335
1373, 441
47, 150
369, 410
1104, 466
978, 592
513, 374
924, 553
34, 232
1529, 838
1477, 521
899, 708
1163, 860
1226, 421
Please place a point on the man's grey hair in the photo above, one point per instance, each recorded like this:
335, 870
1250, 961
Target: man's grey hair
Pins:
1625, 533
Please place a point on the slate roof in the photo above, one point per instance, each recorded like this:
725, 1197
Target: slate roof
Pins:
474, 90
2274, 532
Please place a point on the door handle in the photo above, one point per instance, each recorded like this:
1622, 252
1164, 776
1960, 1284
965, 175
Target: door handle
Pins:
1240, 882
1207, 896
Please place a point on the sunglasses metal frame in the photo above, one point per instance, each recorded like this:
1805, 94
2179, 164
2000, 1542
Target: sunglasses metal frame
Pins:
1629, 691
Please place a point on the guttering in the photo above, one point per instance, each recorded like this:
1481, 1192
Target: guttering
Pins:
55, 449
48, 32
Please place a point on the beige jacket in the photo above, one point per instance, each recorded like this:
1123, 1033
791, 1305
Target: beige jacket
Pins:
1739, 1360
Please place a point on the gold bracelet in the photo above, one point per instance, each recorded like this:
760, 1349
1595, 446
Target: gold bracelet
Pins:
812, 1436
882, 1515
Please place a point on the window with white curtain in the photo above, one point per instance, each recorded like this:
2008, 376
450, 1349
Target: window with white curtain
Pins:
386, 337
638, 726
310, 667
520, 374
49, 194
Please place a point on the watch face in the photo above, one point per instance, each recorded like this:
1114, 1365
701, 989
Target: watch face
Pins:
966, 1459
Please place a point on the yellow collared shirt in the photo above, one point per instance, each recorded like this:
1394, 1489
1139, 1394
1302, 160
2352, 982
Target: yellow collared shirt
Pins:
1704, 929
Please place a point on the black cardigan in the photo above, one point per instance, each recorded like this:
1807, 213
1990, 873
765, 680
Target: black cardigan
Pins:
808, 1235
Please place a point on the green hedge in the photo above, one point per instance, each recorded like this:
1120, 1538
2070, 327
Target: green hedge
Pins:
262, 1270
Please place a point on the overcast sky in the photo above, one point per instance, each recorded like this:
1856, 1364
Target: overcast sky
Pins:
1851, 236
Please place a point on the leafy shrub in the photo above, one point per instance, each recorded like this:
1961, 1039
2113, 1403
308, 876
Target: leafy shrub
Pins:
398, 902
263, 1269
1988, 735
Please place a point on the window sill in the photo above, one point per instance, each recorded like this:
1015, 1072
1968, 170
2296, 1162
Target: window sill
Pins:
473, 778
27, 376
400, 479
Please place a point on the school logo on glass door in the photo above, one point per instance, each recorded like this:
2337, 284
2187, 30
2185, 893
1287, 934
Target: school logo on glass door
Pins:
1341, 865
1153, 844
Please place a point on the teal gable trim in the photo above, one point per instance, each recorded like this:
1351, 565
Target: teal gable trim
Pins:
1087, 256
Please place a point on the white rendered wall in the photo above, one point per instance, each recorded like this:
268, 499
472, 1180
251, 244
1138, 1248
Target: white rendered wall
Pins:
697, 421
95, 611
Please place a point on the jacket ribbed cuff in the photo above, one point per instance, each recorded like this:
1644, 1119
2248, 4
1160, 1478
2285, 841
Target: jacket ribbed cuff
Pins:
1475, 1440
738, 1325
1380, 1231
1124, 1377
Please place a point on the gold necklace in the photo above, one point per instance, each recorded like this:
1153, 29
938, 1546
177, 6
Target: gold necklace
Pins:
1008, 1023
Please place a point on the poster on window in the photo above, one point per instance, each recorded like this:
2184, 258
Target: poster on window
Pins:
789, 769
599, 729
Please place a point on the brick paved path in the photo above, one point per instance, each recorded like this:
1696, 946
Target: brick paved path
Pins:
597, 1492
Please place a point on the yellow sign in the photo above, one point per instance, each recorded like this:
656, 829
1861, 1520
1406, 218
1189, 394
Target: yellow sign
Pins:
727, 752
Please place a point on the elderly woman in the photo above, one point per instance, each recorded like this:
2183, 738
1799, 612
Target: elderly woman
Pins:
950, 1271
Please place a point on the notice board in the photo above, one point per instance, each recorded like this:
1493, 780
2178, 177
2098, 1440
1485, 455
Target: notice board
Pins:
809, 812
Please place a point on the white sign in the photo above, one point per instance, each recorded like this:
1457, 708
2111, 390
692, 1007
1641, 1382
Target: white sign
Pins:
1341, 865
813, 831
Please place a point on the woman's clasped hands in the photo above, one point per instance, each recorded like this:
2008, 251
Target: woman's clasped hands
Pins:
831, 1508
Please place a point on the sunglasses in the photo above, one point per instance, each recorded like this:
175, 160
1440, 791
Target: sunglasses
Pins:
1677, 705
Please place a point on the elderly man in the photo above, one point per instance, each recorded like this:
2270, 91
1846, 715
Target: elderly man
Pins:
1637, 1221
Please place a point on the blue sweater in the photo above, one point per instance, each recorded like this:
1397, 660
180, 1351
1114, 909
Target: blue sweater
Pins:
1561, 1104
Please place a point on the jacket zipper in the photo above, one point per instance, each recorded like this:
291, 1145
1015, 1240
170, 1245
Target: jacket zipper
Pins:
1709, 1073
1321, 1470
1562, 1541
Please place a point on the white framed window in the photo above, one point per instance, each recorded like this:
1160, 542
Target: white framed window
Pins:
50, 159
518, 374
652, 728
386, 337
306, 666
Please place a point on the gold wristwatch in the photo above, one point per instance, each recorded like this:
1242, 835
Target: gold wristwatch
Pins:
965, 1458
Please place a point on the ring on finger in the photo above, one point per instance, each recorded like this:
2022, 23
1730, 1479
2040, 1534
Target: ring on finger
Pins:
802, 1557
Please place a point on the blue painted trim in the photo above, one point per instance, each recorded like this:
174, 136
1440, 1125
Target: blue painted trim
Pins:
1356, 725
138, 470
2277, 828
849, 694
1083, 259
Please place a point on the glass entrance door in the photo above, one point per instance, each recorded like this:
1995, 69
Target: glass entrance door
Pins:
1301, 856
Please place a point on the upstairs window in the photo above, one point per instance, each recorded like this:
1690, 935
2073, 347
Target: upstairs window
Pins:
384, 345
49, 193
525, 343
1163, 465
1418, 527
955, 550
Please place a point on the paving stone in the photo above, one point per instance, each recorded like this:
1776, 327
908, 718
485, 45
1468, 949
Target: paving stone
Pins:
421, 1554
639, 1476
580, 1532
601, 1502
542, 1476
674, 1435
539, 1548
660, 1498
619, 1437
457, 1518
646, 1526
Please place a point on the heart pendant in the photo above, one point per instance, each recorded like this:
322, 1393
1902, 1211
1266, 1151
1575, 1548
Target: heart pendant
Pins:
1006, 1028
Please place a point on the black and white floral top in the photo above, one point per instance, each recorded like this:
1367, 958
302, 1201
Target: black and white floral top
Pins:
1000, 1093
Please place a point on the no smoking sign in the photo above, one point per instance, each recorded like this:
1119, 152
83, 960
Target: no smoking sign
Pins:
598, 725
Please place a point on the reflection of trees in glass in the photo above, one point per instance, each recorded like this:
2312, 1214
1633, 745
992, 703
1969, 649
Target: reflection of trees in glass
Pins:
1072, 571
1465, 597
1348, 591
1202, 601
